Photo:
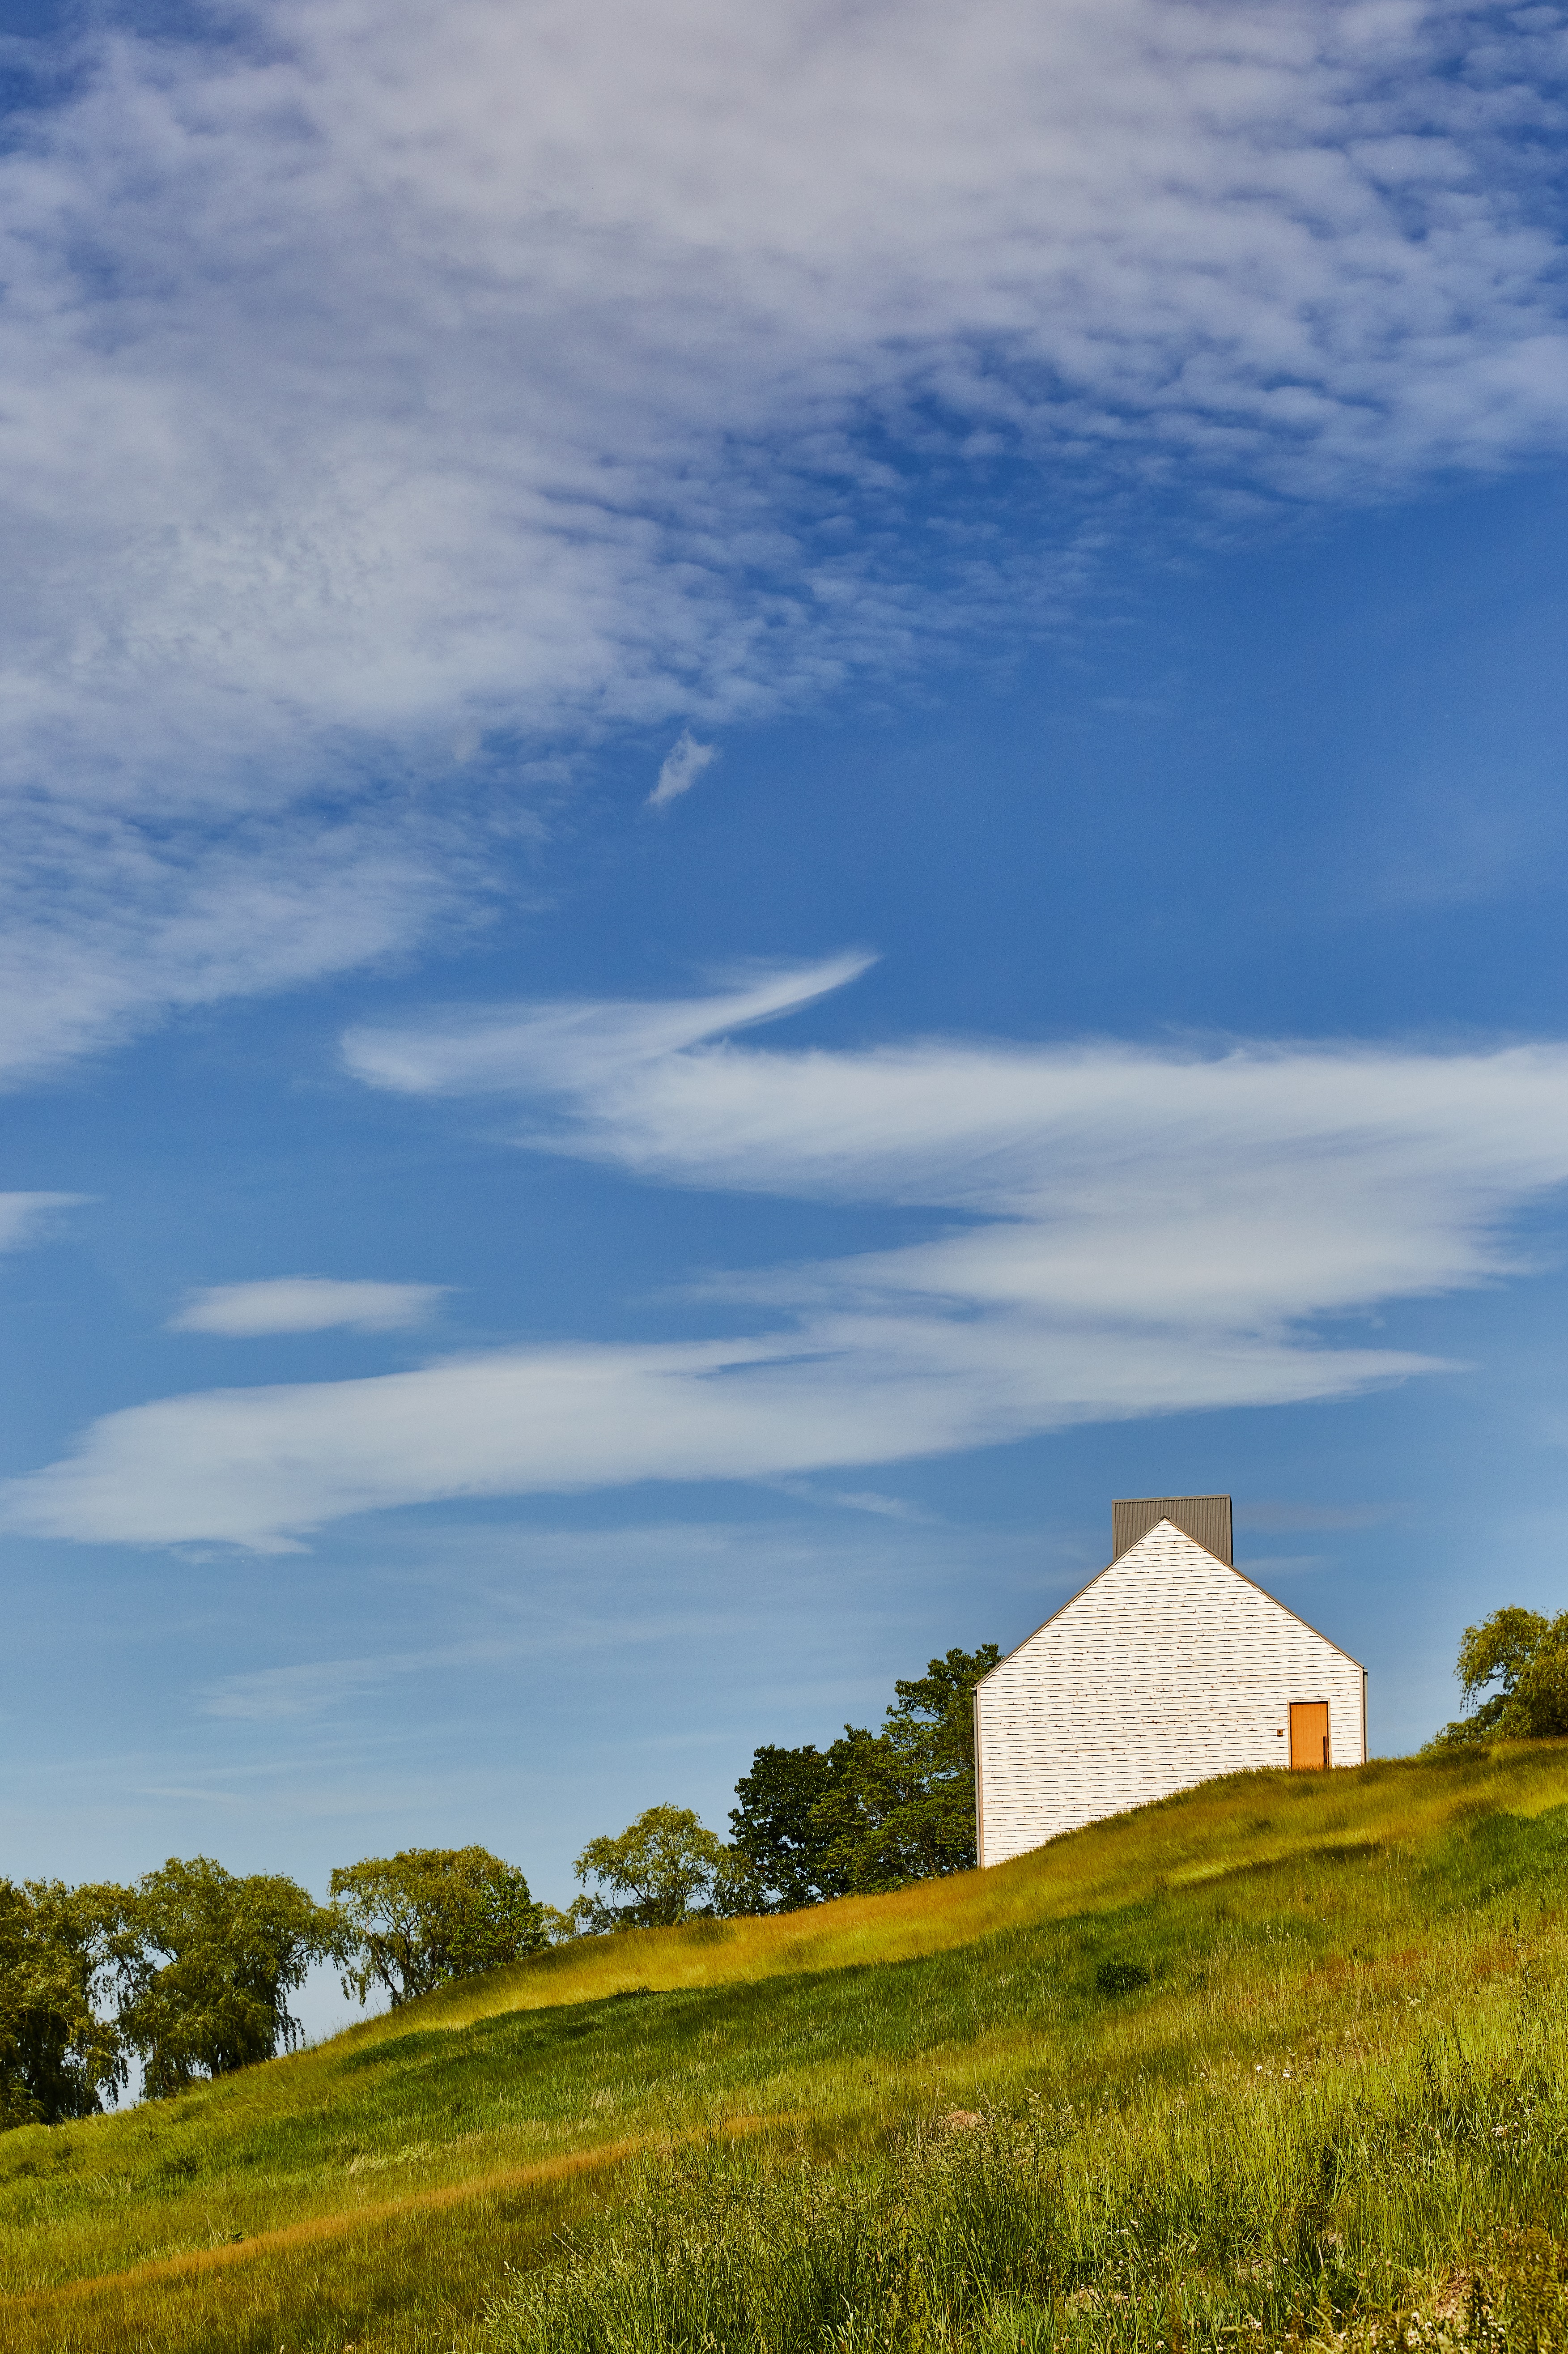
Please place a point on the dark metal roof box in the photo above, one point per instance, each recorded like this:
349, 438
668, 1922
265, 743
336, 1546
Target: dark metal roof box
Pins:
1205, 1519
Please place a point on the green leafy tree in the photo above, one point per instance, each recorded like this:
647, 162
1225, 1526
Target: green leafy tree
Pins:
560, 1927
665, 1865
780, 1844
58, 2056
900, 1804
419, 1919
206, 1959
1525, 1656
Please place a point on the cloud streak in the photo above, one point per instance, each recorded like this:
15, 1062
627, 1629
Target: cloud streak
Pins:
511, 376
263, 1467
306, 1303
1253, 1183
310, 1687
1117, 1232
118, 919
26, 1218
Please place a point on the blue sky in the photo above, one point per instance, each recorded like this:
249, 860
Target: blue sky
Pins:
782, 796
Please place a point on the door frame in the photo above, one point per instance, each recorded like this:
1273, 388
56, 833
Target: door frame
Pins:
1291, 1706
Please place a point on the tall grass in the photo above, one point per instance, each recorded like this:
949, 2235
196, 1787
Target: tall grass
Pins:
1400, 2180
1126, 2000
1416, 2197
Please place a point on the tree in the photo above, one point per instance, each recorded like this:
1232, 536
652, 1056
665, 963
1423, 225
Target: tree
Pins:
205, 1960
662, 1863
428, 1916
1525, 1655
781, 1845
58, 2056
900, 1804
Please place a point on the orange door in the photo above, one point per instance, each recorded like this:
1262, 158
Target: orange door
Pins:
1309, 1734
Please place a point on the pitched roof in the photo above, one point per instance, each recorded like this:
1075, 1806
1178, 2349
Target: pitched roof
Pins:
1228, 1566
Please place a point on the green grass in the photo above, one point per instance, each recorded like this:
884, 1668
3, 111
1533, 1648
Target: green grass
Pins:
1283, 2048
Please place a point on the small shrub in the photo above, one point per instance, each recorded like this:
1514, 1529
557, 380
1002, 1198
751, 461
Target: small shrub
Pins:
1121, 1977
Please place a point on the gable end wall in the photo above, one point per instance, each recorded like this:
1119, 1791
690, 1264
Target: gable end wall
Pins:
1166, 1668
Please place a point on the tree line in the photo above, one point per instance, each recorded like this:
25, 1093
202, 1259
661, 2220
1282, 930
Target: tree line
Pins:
188, 1972
871, 1812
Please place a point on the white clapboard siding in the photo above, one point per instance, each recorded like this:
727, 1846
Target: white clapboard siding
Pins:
1167, 1668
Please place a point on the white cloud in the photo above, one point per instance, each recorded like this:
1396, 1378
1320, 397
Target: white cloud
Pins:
264, 1467
306, 1303
25, 1217
680, 768
1250, 1183
114, 924
588, 1045
374, 384
1121, 1233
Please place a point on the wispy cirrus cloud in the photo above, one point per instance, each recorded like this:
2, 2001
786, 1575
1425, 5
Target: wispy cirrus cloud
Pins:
114, 923
380, 387
25, 1218
306, 1303
263, 1467
1255, 1181
589, 1050
1117, 1232
306, 1689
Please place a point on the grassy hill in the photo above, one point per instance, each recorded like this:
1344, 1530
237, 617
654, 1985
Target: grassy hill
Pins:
1280, 2051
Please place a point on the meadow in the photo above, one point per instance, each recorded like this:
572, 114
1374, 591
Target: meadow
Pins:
1279, 2061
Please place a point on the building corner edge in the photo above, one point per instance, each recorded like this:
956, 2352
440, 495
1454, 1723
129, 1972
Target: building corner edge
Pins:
979, 1786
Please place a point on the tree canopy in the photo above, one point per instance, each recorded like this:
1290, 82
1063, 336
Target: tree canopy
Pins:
665, 1864
874, 1810
58, 2056
776, 1831
205, 1960
1525, 1656
416, 1920
901, 1805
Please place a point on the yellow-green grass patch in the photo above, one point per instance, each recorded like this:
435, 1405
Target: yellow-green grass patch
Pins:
371, 2192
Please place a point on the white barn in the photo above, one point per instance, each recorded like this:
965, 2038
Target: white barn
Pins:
1168, 1667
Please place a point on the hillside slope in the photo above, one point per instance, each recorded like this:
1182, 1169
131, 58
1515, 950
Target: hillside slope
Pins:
372, 2192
